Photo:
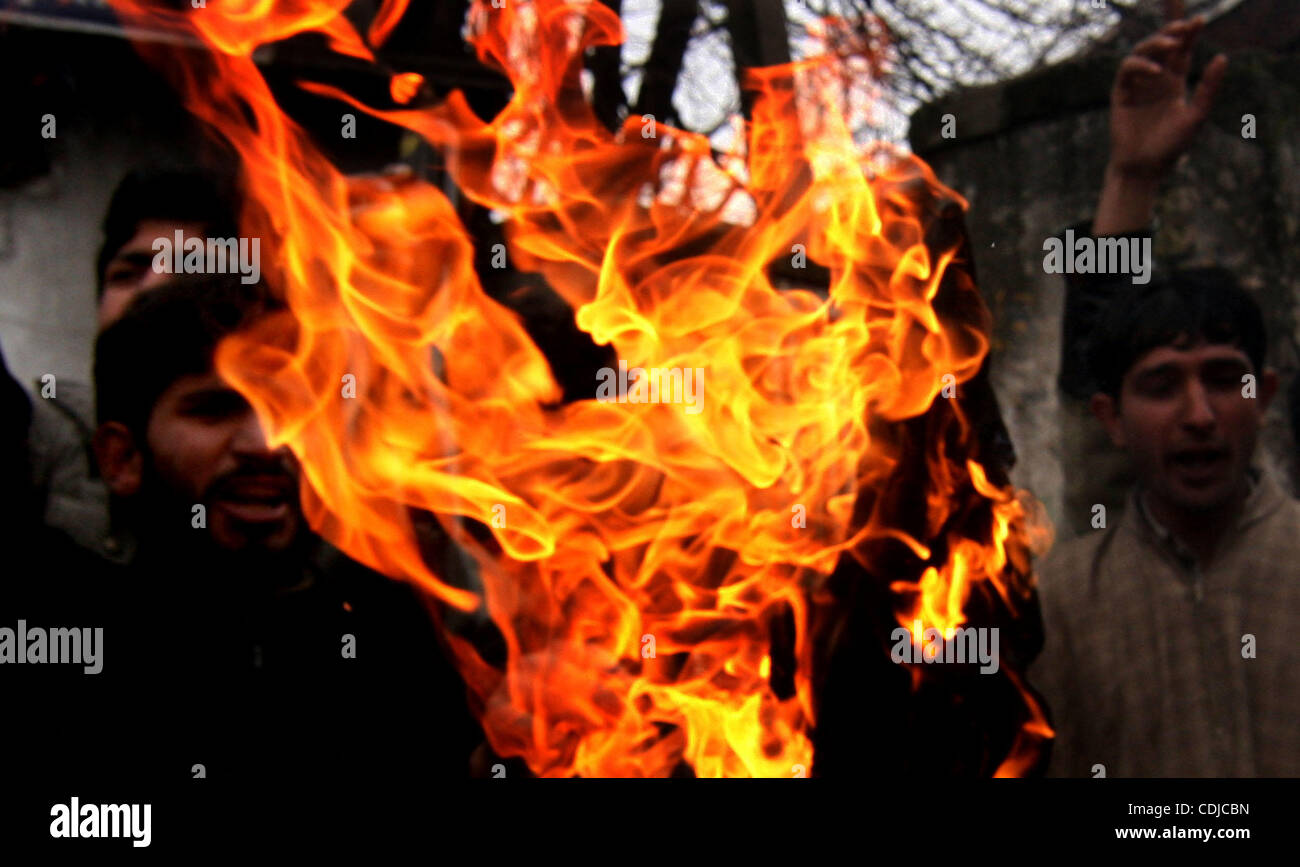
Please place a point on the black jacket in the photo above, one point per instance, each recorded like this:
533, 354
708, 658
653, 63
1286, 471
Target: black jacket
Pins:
255, 688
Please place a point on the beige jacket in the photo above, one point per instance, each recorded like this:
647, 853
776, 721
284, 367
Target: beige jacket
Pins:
1148, 666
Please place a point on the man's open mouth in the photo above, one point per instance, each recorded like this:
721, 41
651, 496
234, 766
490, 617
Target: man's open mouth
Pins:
1197, 462
257, 499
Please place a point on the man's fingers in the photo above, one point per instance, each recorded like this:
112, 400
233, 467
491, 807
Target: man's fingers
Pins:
1158, 47
1182, 29
1172, 45
1191, 33
1208, 89
1133, 66
1180, 61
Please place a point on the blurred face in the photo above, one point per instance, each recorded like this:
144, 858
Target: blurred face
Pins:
1184, 417
130, 271
205, 445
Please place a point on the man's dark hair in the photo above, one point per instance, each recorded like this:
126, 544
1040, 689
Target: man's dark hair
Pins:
166, 333
1201, 304
180, 195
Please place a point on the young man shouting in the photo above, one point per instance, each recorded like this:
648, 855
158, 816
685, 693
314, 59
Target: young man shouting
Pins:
1168, 634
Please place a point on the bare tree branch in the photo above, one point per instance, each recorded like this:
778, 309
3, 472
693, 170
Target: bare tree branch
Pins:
928, 46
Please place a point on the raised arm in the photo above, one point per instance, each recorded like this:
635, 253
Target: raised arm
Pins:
1153, 120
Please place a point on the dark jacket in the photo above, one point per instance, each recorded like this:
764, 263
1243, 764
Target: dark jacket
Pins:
201, 669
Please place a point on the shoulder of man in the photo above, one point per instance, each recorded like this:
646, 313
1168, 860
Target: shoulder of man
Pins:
49, 577
70, 495
1065, 581
73, 400
1272, 535
1064, 574
59, 436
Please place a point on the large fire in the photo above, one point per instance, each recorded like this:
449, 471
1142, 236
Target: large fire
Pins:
642, 560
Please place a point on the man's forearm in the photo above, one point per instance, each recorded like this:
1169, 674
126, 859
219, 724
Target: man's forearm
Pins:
1127, 203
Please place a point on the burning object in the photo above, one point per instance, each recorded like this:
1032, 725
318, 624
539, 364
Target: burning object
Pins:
823, 492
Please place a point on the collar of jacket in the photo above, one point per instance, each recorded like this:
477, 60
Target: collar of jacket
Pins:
1263, 498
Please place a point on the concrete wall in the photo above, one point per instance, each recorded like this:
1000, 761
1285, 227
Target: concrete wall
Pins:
51, 237
114, 113
111, 114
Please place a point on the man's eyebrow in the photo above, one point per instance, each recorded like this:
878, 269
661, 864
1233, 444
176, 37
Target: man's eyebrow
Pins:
1226, 361
1164, 369
1217, 363
209, 392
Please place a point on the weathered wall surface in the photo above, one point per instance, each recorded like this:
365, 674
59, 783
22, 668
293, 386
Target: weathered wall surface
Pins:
109, 115
49, 237
112, 113
1029, 156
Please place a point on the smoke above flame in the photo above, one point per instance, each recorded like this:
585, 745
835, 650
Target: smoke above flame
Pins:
642, 564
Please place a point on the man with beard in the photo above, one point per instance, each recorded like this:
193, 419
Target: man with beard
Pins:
229, 653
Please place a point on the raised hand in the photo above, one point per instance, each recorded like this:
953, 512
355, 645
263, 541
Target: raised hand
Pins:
1153, 119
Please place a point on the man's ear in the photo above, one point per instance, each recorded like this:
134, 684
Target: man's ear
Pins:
1268, 382
121, 463
1105, 408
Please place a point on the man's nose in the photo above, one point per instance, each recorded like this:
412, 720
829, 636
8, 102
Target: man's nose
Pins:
1198, 411
250, 439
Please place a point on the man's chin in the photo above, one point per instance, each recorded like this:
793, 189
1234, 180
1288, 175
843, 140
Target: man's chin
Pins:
1201, 498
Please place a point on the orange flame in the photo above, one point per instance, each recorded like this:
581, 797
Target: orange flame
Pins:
600, 529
